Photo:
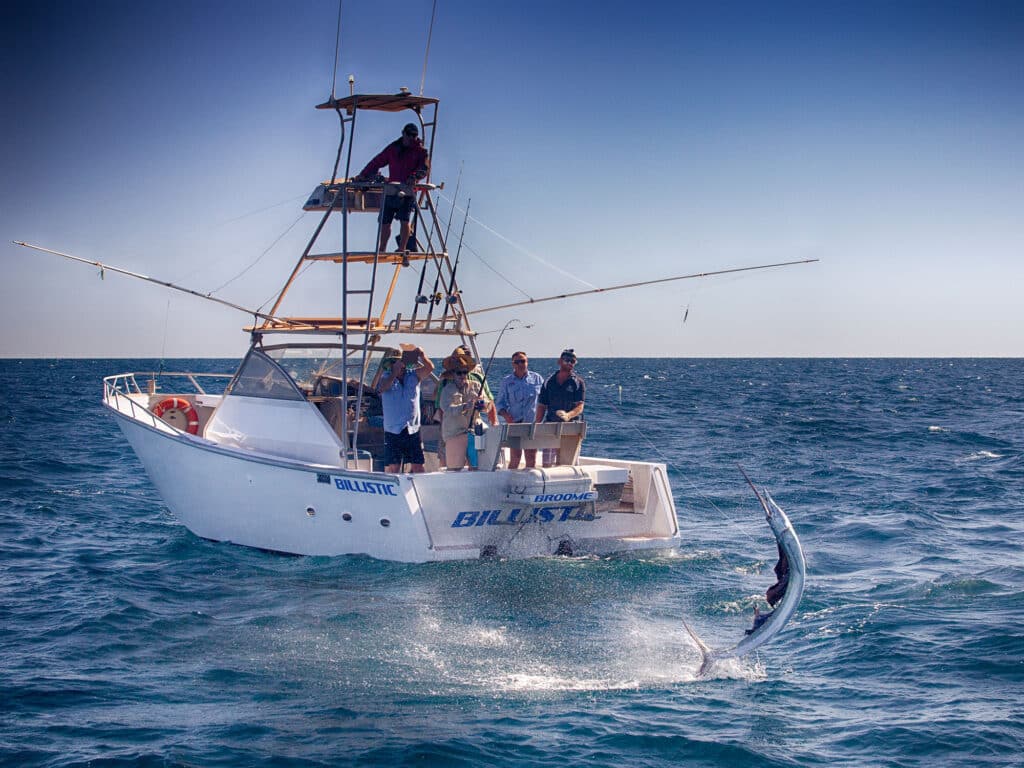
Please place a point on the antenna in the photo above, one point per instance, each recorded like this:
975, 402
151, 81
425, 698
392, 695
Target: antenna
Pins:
337, 49
426, 54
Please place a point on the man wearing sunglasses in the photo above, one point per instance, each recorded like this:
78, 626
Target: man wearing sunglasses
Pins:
407, 163
561, 398
462, 402
517, 403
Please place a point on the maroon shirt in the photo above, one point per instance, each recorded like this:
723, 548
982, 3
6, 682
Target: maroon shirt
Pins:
405, 164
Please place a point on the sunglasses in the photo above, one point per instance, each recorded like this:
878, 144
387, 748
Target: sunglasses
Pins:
517, 362
462, 373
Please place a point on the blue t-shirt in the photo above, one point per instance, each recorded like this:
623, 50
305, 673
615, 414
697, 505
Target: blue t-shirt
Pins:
401, 403
519, 396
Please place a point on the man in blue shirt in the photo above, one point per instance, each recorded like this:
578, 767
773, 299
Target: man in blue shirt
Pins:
517, 403
400, 398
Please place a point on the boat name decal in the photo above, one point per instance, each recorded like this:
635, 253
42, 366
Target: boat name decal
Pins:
364, 486
540, 498
519, 516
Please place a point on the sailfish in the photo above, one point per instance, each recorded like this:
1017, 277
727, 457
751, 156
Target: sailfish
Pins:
783, 596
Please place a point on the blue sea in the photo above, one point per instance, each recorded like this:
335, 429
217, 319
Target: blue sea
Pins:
125, 640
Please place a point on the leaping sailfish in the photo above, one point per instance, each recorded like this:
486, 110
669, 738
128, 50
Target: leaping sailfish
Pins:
784, 596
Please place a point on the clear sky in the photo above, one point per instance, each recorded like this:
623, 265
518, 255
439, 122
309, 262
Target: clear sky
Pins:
619, 141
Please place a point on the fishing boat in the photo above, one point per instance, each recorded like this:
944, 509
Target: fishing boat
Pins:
288, 454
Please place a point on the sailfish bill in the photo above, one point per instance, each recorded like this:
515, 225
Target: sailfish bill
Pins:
784, 595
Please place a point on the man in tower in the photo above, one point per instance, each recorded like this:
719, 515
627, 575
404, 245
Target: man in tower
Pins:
407, 163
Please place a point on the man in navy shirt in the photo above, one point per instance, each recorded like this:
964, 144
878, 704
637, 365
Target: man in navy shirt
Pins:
561, 398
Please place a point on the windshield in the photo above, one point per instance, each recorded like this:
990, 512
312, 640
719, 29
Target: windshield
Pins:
315, 368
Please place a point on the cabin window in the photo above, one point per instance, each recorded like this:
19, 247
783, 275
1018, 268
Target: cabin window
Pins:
260, 376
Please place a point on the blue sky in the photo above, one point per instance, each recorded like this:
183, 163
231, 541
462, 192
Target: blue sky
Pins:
620, 142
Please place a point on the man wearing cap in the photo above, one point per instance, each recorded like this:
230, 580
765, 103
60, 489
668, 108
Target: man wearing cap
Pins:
561, 398
400, 398
407, 163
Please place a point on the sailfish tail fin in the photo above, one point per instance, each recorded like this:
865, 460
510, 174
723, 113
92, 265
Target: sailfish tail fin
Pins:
707, 656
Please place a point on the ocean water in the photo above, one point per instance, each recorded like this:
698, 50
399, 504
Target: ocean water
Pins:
126, 640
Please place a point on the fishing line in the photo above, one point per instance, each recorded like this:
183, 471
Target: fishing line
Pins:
520, 248
260, 210
260, 257
273, 296
495, 271
704, 497
201, 268
163, 348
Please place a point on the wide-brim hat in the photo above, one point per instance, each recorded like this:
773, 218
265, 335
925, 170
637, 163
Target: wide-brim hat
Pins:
460, 358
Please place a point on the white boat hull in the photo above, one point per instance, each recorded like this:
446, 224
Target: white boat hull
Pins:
231, 495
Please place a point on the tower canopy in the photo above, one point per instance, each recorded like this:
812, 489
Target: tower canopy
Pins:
383, 102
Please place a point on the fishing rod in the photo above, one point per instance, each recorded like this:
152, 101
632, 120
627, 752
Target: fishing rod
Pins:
451, 213
494, 351
637, 285
107, 267
455, 267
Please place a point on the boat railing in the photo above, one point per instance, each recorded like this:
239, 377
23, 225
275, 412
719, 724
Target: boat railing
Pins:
123, 393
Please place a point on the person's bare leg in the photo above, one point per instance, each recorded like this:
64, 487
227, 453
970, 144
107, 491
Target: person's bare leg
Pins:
455, 452
514, 454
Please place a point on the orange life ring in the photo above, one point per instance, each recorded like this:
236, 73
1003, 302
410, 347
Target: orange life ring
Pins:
178, 406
